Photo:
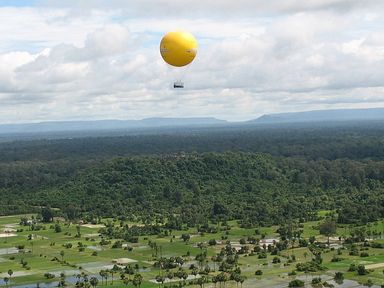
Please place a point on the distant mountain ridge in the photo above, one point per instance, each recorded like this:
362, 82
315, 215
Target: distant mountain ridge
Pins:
58, 126
323, 116
319, 116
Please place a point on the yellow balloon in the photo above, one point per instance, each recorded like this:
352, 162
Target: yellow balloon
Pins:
178, 48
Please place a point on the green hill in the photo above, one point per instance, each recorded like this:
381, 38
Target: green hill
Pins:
194, 188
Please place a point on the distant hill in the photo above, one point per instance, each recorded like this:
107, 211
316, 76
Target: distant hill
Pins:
59, 126
59, 129
323, 116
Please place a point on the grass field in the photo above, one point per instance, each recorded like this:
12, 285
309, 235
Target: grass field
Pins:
45, 246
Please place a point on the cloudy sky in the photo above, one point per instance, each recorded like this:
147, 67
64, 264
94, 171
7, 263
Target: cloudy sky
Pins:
99, 59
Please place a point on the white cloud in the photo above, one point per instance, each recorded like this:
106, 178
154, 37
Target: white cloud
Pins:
82, 61
211, 8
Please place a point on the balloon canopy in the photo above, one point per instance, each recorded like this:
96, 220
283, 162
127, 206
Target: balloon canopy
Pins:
178, 48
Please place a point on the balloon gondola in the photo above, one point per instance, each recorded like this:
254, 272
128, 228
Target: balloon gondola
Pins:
178, 84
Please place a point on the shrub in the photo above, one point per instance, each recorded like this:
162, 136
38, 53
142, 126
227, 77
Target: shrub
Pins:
49, 275
364, 254
361, 270
262, 255
276, 260
316, 280
352, 268
377, 245
369, 283
336, 259
67, 245
309, 267
212, 242
296, 283
117, 244
339, 276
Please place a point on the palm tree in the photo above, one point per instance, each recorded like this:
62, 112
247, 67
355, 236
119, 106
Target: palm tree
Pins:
195, 272
85, 278
225, 279
137, 279
6, 280
222, 277
94, 281
180, 261
185, 276
213, 258
236, 277
62, 280
112, 271
170, 277
78, 276
126, 281
10, 273
242, 279
106, 274
214, 280
129, 270
160, 279
101, 273
201, 281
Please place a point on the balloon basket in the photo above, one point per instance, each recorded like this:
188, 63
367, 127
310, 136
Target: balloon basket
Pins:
178, 84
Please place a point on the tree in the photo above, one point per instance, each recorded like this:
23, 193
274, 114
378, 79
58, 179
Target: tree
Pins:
137, 279
113, 271
180, 261
62, 253
215, 280
242, 279
10, 273
160, 279
215, 259
57, 228
328, 228
78, 277
339, 277
78, 233
106, 275
101, 273
236, 278
202, 280
361, 270
296, 283
62, 280
47, 215
170, 275
222, 277
94, 281
185, 237
126, 281
195, 271
6, 280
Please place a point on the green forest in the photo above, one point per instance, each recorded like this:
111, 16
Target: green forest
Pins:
254, 205
258, 175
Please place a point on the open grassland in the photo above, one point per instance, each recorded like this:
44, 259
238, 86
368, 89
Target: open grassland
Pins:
55, 252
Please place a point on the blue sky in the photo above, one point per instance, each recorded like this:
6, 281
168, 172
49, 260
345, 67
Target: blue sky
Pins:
17, 3
82, 59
